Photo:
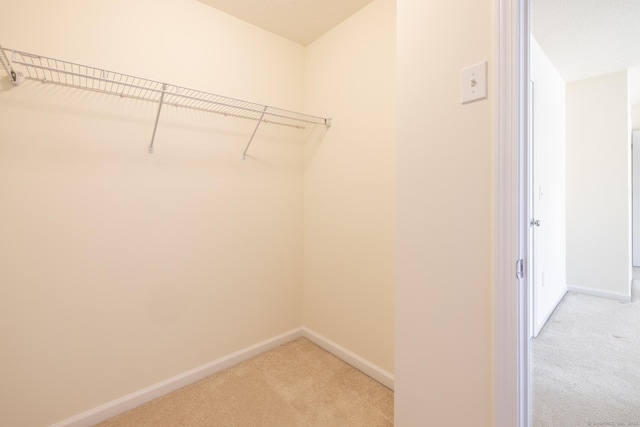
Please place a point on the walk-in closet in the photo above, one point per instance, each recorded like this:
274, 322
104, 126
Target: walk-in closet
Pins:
182, 190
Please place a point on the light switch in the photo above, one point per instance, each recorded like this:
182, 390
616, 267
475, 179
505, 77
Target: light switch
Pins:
474, 82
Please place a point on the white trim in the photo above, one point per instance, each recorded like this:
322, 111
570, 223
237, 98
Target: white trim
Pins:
510, 322
600, 293
522, 77
130, 401
133, 400
377, 373
505, 316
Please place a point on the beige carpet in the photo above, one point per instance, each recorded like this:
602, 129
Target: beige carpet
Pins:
586, 364
297, 384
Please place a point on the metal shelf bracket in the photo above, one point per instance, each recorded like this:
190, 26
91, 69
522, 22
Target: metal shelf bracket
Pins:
155, 126
15, 76
244, 155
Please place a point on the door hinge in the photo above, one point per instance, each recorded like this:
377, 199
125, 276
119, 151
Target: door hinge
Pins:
520, 268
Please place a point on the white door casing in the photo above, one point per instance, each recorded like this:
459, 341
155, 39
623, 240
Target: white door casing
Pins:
511, 329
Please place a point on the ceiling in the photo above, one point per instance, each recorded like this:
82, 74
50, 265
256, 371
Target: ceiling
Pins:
583, 38
586, 38
301, 21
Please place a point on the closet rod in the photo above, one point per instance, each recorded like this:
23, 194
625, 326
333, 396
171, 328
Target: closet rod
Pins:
56, 71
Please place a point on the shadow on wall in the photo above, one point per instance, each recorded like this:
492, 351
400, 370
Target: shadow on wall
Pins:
196, 135
6, 84
312, 142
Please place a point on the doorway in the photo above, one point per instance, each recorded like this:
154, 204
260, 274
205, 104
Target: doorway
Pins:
597, 198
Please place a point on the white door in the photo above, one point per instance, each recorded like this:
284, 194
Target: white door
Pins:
536, 232
636, 198
547, 277
538, 240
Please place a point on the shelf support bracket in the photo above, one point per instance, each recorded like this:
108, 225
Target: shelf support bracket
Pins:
155, 127
15, 76
244, 155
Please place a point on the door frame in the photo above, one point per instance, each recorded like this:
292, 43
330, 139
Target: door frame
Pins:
511, 294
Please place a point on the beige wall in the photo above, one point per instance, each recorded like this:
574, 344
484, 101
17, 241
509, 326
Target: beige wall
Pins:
120, 269
444, 217
599, 186
106, 264
349, 185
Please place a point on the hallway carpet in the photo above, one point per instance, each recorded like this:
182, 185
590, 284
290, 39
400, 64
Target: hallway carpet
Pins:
586, 364
297, 384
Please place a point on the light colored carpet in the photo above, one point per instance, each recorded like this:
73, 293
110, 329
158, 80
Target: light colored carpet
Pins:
586, 364
297, 384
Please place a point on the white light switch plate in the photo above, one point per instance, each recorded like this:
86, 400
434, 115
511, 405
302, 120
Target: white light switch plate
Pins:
474, 82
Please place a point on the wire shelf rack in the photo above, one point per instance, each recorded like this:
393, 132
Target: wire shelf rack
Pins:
85, 77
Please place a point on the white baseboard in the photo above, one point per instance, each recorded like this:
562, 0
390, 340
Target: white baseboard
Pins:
147, 394
600, 293
130, 401
383, 377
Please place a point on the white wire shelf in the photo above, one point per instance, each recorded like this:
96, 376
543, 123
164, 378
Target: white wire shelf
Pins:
7, 65
85, 77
